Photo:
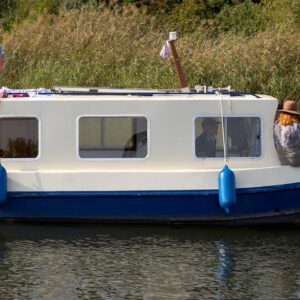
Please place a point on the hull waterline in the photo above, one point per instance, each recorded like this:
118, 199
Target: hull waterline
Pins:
263, 205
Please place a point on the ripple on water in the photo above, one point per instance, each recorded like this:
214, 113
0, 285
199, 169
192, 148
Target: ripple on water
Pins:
144, 262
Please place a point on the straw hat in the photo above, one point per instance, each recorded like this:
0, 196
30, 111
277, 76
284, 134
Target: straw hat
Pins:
290, 107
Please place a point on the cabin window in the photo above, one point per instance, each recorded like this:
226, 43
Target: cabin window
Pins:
113, 137
19, 137
242, 137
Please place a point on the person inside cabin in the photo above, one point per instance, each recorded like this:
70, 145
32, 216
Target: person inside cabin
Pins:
287, 134
136, 146
206, 142
237, 130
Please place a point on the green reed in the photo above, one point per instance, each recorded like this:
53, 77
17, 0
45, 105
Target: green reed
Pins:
101, 47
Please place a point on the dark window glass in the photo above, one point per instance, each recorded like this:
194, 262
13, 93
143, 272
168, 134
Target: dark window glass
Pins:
18, 137
242, 137
113, 137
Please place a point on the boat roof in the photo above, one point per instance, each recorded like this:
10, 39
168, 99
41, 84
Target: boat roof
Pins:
111, 94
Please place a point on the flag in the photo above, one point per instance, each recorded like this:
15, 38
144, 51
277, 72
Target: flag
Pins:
165, 51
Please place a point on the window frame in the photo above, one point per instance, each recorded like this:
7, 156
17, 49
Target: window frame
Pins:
39, 138
112, 116
229, 116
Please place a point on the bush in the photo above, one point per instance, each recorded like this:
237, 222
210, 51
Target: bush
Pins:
85, 47
7, 7
245, 18
98, 47
265, 63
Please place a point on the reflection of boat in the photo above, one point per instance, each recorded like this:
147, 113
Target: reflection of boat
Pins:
130, 156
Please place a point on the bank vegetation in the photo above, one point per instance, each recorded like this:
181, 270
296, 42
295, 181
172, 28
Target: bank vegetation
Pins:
254, 46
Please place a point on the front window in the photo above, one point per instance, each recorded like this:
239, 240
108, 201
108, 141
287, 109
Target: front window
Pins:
242, 137
113, 137
18, 137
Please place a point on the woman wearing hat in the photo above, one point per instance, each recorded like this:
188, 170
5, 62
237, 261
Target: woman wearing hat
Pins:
287, 134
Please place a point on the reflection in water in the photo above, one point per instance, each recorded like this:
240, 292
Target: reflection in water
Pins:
138, 262
223, 268
297, 293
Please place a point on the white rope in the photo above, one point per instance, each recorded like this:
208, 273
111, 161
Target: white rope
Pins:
223, 129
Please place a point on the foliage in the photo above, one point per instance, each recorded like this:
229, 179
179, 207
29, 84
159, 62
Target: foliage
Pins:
252, 45
243, 18
20, 147
266, 63
7, 7
12, 11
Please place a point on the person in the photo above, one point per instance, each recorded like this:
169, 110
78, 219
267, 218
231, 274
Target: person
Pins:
287, 134
206, 142
238, 131
136, 146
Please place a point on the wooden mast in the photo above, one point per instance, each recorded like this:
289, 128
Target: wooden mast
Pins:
181, 77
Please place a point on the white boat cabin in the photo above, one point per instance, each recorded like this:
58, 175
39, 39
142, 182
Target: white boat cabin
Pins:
138, 142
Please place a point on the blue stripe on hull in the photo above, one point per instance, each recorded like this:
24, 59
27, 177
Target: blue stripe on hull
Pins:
255, 205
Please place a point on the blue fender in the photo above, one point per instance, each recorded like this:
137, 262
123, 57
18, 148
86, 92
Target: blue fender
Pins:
3, 185
227, 190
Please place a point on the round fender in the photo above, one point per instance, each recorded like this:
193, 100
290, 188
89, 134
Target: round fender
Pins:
227, 190
3, 185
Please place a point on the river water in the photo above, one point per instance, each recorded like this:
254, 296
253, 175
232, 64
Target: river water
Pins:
148, 262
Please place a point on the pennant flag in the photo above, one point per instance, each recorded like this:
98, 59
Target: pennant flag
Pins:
165, 51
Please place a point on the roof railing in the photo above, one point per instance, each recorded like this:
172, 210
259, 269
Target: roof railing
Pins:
198, 89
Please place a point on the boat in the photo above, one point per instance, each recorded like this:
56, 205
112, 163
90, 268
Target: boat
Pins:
197, 155
113, 155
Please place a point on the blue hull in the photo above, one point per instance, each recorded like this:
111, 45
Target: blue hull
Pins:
275, 204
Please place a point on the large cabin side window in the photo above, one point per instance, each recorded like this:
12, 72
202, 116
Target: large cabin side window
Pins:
113, 137
19, 137
242, 137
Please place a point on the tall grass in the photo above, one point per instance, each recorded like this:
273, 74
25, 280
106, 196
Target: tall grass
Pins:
99, 47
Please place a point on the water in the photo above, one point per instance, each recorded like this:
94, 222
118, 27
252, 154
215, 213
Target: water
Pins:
148, 262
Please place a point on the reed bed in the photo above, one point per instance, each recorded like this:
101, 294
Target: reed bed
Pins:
99, 47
